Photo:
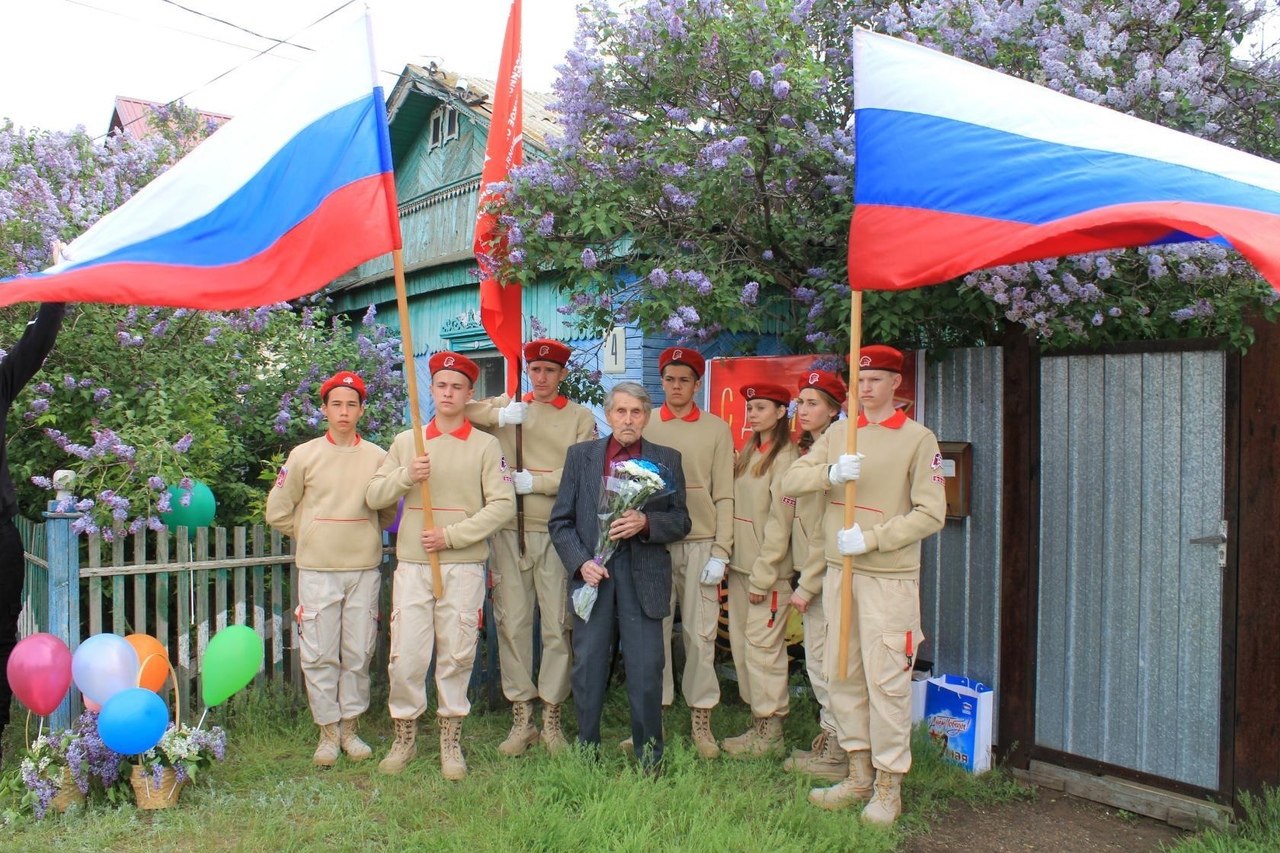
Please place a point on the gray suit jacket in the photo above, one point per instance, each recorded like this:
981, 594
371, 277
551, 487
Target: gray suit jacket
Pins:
574, 526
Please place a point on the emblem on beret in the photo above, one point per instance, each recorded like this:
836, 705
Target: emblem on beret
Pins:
813, 378
677, 355
751, 392
348, 380
865, 361
544, 350
448, 361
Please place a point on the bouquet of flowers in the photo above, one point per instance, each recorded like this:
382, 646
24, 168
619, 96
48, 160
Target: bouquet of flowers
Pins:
629, 484
187, 751
61, 765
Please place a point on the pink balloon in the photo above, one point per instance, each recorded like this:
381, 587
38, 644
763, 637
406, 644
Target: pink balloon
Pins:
90, 704
40, 672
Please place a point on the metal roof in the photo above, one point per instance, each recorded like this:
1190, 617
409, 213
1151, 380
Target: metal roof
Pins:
130, 117
412, 99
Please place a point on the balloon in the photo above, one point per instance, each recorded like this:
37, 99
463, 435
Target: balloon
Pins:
133, 721
39, 672
153, 658
91, 705
104, 665
198, 513
231, 660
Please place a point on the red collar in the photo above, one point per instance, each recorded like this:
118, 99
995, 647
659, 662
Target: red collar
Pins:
668, 415
894, 421
335, 444
460, 433
559, 402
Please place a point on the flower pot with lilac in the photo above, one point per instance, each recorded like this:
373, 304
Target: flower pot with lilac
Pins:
64, 768
176, 760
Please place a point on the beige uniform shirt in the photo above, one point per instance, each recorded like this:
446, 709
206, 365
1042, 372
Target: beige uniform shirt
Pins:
706, 449
549, 431
471, 492
319, 500
900, 496
763, 516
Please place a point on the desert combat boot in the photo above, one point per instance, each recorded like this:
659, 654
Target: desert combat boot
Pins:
352, 744
404, 748
524, 733
326, 754
855, 789
825, 759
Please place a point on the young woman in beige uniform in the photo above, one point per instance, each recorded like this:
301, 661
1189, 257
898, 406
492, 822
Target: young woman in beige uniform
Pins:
761, 568
817, 407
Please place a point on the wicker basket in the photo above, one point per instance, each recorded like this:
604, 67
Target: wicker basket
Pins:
151, 796
69, 793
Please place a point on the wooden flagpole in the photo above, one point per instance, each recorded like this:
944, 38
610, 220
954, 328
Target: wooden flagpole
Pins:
415, 413
851, 487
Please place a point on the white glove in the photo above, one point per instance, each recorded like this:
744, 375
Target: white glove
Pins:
523, 480
713, 572
847, 468
513, 413
851, 542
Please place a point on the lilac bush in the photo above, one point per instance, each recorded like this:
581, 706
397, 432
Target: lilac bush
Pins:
705, 162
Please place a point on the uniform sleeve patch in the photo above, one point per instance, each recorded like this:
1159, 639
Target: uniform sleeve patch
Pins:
939, 479
281, 477
788, 500
937, 461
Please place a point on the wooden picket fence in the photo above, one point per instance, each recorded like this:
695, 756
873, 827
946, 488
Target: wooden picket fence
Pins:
182, 590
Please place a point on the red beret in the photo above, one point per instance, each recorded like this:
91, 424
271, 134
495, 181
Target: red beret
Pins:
766, 391
342, 379
880, 358
453, 361
822, 380
682, 355
546, 349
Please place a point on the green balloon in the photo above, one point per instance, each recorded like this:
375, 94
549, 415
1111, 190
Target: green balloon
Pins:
198, 513
231, 660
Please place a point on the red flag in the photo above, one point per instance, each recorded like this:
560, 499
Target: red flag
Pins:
500, 305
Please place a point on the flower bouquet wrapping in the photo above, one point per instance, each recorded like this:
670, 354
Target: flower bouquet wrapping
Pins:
629, 484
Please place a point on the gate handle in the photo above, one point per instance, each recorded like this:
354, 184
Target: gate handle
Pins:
1215, 539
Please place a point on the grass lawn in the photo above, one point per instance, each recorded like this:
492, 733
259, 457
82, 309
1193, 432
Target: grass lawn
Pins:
268, 796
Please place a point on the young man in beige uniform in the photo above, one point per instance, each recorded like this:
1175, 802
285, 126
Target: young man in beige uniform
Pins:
472, 498
522, 579
900, 501
700, 560
318, 499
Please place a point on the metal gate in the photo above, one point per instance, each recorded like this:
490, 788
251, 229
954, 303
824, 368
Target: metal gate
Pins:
1131, 578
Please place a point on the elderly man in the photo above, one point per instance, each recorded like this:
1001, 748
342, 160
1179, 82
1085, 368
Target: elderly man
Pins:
634, 585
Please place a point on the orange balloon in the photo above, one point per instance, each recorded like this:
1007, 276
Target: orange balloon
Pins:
90, 704
153, 661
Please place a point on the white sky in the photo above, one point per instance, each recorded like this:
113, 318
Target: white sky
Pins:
65, 61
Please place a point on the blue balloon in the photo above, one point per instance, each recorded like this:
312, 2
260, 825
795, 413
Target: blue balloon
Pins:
133, 721
103, 665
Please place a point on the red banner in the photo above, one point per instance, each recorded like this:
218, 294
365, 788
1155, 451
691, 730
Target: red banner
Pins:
725, 376
501, 309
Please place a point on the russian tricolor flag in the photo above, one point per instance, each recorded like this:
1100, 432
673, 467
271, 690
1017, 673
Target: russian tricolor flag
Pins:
276, 204
960, 167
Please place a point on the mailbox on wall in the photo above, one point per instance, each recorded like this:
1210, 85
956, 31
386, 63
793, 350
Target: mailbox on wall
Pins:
957, 470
